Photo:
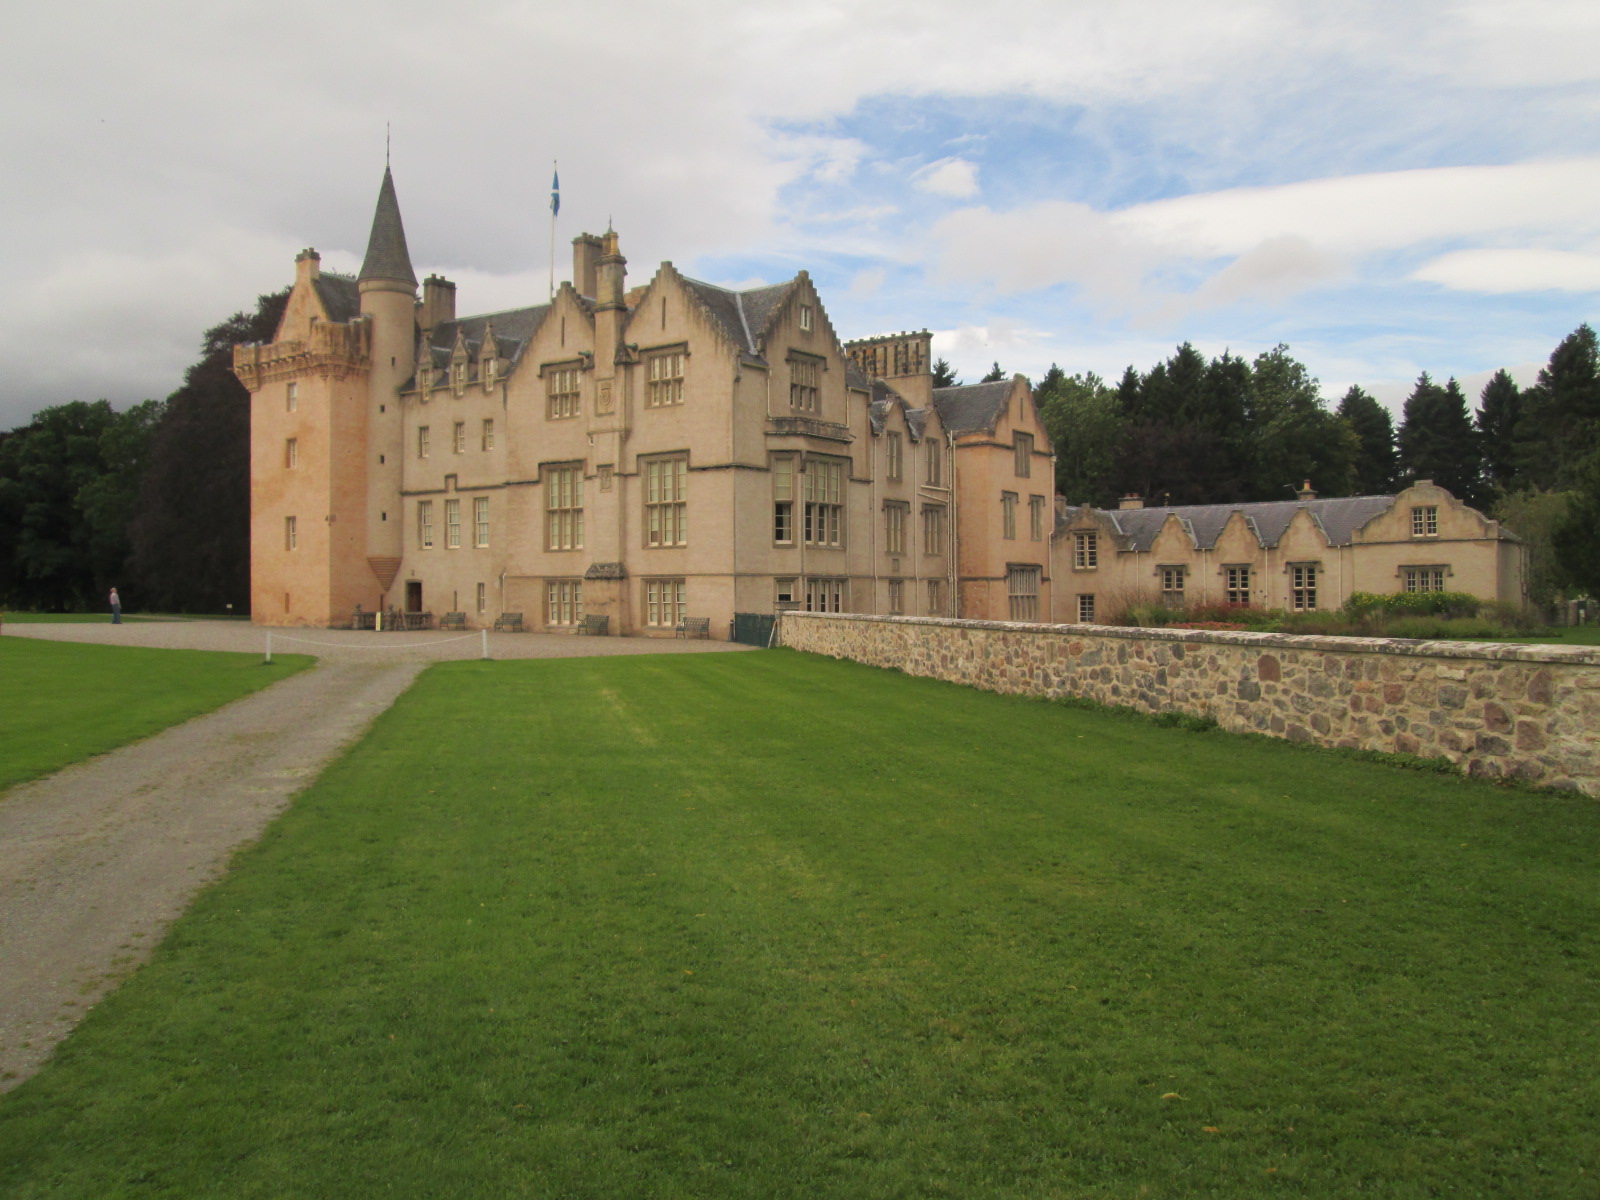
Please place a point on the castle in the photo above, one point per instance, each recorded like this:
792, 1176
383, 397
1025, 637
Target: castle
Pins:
650, 454
680, 451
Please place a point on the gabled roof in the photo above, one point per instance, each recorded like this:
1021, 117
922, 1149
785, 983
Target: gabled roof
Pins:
387, 256
1339, 518
972, 407
513, 329
340, 296
744, 316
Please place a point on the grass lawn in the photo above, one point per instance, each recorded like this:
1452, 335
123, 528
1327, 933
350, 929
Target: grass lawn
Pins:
65, 701
768, 925
16, 618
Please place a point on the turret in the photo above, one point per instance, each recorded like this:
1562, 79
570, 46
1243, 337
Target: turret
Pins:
388, 288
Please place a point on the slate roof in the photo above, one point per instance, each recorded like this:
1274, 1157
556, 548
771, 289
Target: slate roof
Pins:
742, 315
513, 330
1339, 517
387, 256
973, 407
340, 296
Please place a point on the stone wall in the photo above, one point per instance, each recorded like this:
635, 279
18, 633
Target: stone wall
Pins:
1524, 712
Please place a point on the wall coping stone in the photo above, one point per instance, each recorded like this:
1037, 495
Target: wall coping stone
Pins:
1405, 647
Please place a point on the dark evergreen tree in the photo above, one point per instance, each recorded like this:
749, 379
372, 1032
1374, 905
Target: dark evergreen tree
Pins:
1376, 464
1437, 440
944, 375
1499, 410
1576, 537
191, 536
1557, 431
66, 480
995, 375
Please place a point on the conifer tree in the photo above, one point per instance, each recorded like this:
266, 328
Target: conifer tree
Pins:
1499, 410
1376, 464
995, 375
1576, 538
1437, 440
1561, 414
944, 375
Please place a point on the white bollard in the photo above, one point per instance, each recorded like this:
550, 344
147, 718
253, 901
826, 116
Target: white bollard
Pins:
269, 649
485, 633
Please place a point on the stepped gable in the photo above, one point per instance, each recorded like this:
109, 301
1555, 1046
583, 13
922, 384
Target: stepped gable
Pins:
387, 256
744, 316
340, 296
973, 407
1338, 518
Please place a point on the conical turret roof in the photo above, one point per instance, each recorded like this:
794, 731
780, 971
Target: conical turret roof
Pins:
387, 256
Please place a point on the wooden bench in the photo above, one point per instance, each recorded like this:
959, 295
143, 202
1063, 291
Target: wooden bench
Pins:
689, 627
594, 626
508, 623
453, 621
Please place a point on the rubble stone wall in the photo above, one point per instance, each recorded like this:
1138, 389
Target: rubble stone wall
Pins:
1525, 712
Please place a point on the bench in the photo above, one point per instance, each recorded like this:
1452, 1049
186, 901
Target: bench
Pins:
594, 626
418, 620
508, 623
689, 627
453, 621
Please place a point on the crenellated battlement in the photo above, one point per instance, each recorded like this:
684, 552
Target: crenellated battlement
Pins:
329, 350
893, 355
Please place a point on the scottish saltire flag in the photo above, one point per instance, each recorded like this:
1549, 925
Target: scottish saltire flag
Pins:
555, 193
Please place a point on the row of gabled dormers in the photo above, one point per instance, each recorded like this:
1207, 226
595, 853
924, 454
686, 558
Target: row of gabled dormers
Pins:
1410, 515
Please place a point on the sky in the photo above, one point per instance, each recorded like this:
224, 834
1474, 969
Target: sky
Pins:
1388, 188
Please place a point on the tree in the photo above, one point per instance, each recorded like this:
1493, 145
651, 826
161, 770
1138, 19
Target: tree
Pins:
1376, 465
1085, 425
944, 375
1437, 440
1576, 536
66, 480
1296, 437
1499, 410
995, 375
1533, 516
191, 536
1556, 432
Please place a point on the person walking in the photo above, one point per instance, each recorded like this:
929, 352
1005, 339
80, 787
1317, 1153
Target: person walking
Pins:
116, 607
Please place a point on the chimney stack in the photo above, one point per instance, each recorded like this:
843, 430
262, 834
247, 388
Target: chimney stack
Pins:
586, 249
438, 301
1131, 500
1306, 493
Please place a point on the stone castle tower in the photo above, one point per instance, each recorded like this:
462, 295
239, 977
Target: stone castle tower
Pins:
326, 428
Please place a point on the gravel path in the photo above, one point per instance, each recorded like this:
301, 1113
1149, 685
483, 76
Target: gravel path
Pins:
98, 860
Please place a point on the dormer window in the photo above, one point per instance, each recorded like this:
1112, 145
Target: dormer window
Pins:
486, 372
1425, 521
459, 373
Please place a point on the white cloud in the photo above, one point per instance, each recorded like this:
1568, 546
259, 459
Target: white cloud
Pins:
955, 177
1270, 243
868, 283
1502, 271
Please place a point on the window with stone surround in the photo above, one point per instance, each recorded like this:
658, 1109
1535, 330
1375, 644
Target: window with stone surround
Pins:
1022, 591
897, 597
805, 382
894, 527
1303, 586
666, 489
1172, 585
561, 391
422, 441
452, 524
291, 533
664, 606
823, 492
563, 602
291, 453
1008, 516
1425, 521
783, 500
933, 529
826, 594
936, 597
1236, 581
425, 524
665, 372
894, 455
563, 508
488, 435
1036, 512
1086, 608
1022, 447
1424, 579
480, 521
1085, 551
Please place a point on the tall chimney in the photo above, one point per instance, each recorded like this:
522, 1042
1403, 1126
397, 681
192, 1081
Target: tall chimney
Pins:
438, 301
586, 249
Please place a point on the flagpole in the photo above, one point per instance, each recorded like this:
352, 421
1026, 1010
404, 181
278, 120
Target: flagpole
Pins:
555, 207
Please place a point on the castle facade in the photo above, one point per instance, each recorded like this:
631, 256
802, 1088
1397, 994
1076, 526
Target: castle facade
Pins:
650, 454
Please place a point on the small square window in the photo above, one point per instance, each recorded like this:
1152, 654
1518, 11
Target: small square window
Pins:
1425, 521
